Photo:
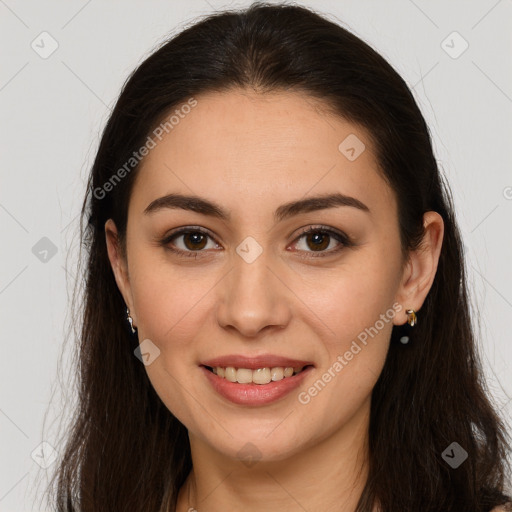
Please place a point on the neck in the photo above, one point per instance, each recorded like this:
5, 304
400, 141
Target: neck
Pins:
328, 476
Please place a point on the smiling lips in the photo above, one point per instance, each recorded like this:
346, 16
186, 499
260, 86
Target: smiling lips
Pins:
258, 370
258, 376
253, 363
255, 380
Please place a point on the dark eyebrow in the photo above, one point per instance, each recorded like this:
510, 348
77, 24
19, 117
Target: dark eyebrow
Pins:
212, 209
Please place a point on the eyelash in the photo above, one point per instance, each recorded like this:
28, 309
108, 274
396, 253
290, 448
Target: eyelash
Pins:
324, 230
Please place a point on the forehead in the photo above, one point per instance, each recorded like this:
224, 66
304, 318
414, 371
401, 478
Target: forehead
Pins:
244, 149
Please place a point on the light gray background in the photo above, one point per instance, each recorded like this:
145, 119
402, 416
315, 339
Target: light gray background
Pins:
54, 108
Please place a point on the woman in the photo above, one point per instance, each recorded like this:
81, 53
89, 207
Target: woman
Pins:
276, 311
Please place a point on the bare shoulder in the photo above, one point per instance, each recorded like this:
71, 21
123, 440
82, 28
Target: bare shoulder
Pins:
503, 508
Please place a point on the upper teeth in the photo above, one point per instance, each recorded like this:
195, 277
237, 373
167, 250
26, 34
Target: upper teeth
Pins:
258, 376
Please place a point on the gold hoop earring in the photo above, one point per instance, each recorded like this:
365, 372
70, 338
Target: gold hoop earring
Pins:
412, 319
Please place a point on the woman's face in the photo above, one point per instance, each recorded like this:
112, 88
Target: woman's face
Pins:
255, 284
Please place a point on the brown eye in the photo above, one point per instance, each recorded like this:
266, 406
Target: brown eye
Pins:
187, 242
194, 240
318, 239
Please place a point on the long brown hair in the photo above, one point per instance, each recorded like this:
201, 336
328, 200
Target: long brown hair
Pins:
125, 450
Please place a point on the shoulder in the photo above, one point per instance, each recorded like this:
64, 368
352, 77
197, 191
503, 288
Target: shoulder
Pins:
503, 508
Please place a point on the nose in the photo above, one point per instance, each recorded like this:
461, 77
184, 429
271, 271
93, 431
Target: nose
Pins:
253, 297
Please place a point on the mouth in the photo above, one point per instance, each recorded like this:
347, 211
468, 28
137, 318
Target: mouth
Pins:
256, 376
257, 386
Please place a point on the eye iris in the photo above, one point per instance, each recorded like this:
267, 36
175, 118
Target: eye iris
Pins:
316, 237
194, 236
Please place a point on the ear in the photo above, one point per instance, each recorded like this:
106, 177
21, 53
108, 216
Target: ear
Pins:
119, 266
421, 267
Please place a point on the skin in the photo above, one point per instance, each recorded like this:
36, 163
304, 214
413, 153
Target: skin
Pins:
250, 153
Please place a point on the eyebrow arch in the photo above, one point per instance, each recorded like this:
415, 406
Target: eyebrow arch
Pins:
212, 209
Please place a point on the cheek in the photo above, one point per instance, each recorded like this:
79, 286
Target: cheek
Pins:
350, 298
355, 308
169, 298
352, 360
171, 312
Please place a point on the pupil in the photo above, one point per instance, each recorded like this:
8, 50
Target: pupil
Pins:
196, 239
318, 244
